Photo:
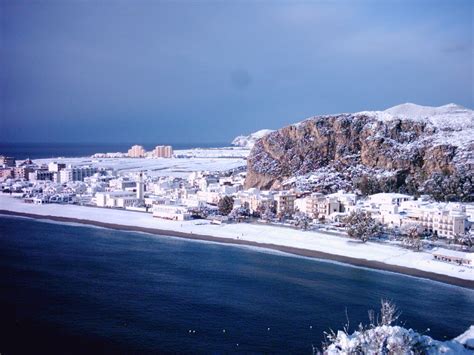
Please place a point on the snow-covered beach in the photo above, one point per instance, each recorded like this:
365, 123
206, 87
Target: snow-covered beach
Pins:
305, 243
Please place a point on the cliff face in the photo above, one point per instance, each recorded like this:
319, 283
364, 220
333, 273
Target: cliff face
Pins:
402, 145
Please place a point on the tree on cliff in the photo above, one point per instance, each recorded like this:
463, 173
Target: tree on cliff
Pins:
225, 205
361, 225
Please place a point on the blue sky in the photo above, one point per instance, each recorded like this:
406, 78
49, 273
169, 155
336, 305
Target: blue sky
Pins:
206, 71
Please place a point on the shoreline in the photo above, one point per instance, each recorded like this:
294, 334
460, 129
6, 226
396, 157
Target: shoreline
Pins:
370, 264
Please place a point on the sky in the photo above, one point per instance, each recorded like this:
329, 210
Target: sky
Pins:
205, 71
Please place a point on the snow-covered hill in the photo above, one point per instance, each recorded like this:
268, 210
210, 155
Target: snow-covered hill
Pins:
453, 123
406, 148
249, 141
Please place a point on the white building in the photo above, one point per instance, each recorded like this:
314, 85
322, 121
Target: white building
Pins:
76, 173
346, 199
447, 221
122, 183
319, 205
56, 167
444, 219
209, 197
40, 175
389, 198
136, 151
115, 199
162, 151
173, 212
253, 199
285, 202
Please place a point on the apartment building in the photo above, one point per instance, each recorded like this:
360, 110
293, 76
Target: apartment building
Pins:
162, 151
76, 173
136, 151
40, 175
319, 205
285, 202
446, 222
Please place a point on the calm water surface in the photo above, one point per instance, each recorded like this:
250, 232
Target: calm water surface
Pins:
69, 289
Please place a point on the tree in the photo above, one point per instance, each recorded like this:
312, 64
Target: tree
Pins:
225, 205
240, 212
413, 237
302, 220
361, 225
267, 211
464, 239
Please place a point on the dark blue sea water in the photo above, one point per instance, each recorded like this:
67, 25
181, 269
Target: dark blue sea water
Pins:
69, 289
52, 150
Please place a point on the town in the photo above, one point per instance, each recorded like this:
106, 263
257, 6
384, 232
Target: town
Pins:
417, 223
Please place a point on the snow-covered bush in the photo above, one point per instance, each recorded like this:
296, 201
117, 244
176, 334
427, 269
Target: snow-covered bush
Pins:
360, 225
382, 337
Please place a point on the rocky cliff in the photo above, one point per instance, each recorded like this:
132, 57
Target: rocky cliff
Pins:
400, 149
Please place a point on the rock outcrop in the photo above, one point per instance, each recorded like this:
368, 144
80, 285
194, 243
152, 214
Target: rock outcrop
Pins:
406, 143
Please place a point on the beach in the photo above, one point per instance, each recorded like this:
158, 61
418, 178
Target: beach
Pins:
368, 255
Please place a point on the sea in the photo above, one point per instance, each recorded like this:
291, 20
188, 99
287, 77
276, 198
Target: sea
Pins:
52, 150
72, 289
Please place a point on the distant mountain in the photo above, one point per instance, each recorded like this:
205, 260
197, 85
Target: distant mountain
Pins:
249, 141
406, 148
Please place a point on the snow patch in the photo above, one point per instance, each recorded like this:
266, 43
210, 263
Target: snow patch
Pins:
453, 124
249, 141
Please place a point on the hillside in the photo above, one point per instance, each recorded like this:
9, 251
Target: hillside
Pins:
249, 141
406, 148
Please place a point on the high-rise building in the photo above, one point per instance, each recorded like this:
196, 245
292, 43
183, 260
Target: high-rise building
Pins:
136, 151
162, 151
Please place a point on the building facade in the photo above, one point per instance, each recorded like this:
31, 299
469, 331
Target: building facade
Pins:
285, 203
136, 151
162, 151
76, 173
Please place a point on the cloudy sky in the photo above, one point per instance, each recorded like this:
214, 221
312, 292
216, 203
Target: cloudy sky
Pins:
205, 71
